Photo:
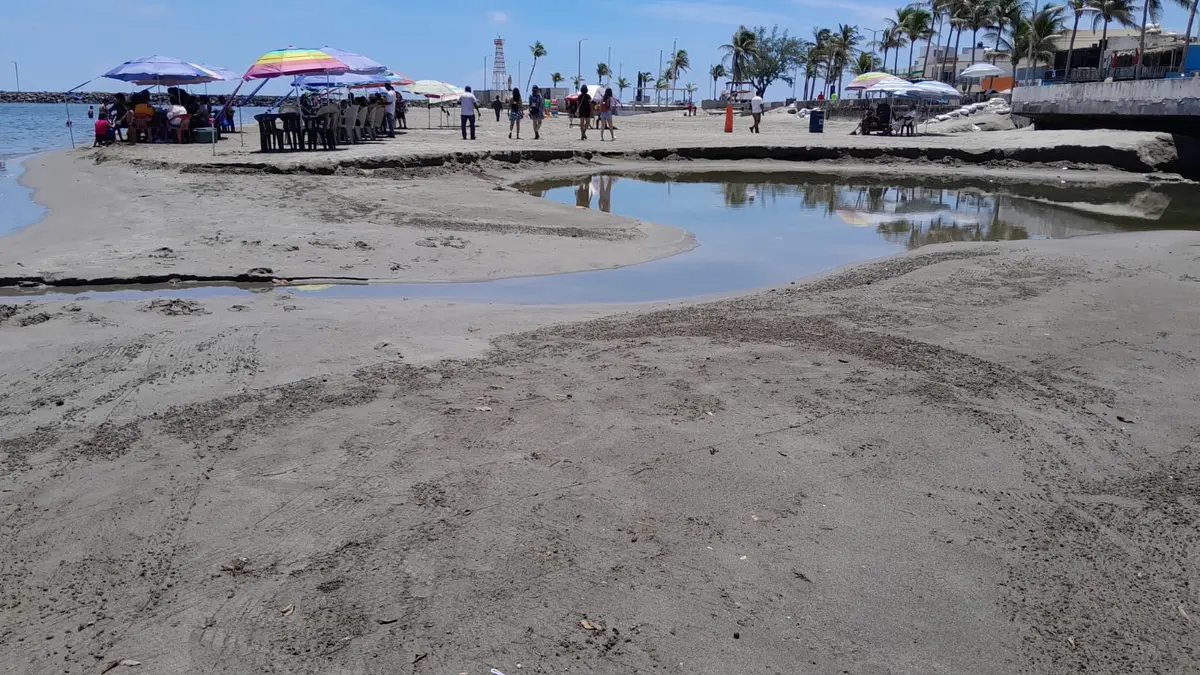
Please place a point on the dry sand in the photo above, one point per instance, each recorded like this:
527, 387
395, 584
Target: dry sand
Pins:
979, 458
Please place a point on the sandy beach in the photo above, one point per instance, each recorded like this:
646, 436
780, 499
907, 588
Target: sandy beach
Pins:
971, 458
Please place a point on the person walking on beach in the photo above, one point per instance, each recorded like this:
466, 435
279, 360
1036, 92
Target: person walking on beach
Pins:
389, 111
536, 112
584, 102
401, 112
468, 103
607, 104
756, 110
515, 114
497, 106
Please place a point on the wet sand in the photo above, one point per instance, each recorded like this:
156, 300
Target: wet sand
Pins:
976, 458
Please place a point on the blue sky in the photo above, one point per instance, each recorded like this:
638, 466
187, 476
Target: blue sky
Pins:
60, 43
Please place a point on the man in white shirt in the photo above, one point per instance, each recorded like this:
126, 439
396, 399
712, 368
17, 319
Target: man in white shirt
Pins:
468, 103
390, 109
756, 110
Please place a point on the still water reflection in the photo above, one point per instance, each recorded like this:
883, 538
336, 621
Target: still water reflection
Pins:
756, 230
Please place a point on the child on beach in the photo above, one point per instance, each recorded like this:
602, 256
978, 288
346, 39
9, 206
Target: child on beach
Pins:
104, 132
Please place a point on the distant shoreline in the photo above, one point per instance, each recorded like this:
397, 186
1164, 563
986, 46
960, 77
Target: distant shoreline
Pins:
98, 97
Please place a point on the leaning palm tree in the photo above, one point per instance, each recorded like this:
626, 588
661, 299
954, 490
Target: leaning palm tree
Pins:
716, 73
1077, 8
740, 49
556, 78
602, 72
1187, 36
538, 50
679, 64
622, 85
918, 25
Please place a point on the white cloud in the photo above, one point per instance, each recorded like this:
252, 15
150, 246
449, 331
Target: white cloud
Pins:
498, 17
856, 12
720, 13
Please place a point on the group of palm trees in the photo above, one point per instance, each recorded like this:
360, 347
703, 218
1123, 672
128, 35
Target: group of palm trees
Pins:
676, 65
828, 56
1014, 29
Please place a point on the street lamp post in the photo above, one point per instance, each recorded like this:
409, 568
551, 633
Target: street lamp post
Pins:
579, 62
486, 86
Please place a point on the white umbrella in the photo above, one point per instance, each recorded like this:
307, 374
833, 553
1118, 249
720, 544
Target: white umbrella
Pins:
434, 89
981, 70
935, 89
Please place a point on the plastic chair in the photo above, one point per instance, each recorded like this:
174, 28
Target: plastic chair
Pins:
184, 129
349, 117
141, 125
361, 124
293, 130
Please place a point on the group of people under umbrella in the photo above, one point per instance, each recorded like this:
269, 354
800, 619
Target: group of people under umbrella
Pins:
318, 71
883, 118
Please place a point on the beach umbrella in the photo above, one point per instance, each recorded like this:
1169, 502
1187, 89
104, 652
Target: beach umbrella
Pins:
981, 70
865, 80
328, 81
434, 89
294, 61
935, 89
357, 63
218, 73
396, 79
160, 70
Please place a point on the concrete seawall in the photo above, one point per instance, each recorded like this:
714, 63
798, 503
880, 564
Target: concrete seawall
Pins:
1171, 105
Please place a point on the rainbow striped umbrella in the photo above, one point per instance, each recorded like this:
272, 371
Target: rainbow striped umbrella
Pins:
867, 80
294, 61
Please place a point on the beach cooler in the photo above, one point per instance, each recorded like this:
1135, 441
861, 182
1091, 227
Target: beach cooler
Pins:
816, 122
205, 134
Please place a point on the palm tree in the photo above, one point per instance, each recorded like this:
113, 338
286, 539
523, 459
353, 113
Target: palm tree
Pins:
556, 78
1077, 8
644, 77
742, 47
938, 9
918, 25
679, 63
1187, 36
716, 73
979, 15
1007, 13
812, 70
865, 63
891, 41
819, 54
843, 44
1037, 36
895, 27
622, 85
602, 72
1152, 10
538, 50
576, 80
